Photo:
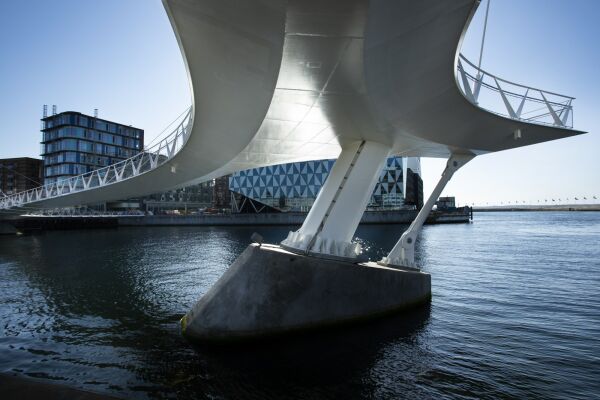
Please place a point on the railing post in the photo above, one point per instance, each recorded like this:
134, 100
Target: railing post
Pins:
466, 85
557, 120
520, 109
511, 111
477, 86
566, 110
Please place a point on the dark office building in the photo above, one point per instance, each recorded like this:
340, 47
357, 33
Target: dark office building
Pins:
414, 189
19, 174
189, 198
221, 193
74, 143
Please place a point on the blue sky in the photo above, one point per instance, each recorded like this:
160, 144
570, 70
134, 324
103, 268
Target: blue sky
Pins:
121, 57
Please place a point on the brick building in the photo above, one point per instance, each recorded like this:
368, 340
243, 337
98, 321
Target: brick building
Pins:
20, 174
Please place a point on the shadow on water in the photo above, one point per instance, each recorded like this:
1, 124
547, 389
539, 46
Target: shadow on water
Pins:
317, 363
107, 304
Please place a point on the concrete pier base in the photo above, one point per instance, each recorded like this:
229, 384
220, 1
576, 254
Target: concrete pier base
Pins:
269, 291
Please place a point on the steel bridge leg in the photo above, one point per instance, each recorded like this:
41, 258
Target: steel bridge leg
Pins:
403, 253
332, 220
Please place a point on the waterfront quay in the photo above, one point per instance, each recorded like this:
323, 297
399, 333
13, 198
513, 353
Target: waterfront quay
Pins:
34, 223
291, 218
539, 207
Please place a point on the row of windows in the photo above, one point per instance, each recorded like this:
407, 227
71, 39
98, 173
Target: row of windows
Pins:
53, 179
74, 157
86, 122
387, 200
67, 169
77, 132
89, 147
305, 203
60, 158
14, 182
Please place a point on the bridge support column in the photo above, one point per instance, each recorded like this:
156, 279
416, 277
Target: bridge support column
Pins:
333, 218
314, 278
403, 253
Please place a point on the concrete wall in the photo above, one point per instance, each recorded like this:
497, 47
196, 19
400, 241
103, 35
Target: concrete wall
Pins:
82, 222
379, 217
375, 217
269, 291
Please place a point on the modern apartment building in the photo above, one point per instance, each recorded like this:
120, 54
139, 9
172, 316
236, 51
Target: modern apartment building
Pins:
75, 143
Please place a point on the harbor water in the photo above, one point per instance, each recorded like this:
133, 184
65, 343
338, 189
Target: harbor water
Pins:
515, 313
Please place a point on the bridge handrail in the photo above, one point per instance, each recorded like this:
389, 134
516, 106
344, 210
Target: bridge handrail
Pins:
144, 161
557, 108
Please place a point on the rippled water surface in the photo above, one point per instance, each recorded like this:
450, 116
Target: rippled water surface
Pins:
515, 314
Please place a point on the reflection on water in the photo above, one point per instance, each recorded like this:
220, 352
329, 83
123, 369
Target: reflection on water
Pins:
515, 313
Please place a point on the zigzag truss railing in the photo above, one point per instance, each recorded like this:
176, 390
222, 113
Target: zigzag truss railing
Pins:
147, 160
520, 102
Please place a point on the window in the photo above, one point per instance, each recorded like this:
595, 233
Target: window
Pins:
63, 132
70, 157
86, 146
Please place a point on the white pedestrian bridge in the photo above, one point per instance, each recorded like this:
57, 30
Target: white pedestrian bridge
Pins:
281, 81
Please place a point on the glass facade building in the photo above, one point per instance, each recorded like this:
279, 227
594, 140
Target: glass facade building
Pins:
74, 143
295, 186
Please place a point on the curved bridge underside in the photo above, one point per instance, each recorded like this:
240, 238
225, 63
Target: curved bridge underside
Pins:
277, 81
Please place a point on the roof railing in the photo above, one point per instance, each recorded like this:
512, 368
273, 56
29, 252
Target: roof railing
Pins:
513, 100
147, 160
